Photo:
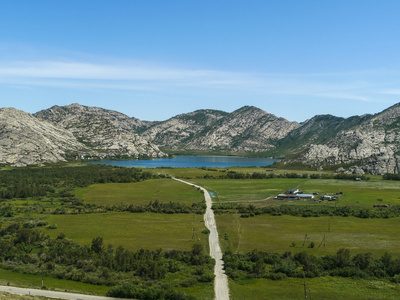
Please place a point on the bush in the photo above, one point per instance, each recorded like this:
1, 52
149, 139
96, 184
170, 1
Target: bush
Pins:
277, 276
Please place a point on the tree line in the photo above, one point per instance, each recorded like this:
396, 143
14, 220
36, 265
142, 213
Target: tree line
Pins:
259, 175
260, 264
250, 210
59, 182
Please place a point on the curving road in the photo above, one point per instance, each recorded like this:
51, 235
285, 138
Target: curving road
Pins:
221, 288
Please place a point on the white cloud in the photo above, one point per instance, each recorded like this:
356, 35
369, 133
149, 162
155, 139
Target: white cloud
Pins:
358, 86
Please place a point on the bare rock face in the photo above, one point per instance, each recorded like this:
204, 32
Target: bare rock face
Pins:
101, 130
26, 140
177, 131
373, 145
247, 129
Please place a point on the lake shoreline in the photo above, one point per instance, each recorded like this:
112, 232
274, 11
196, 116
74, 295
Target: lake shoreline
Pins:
192, 162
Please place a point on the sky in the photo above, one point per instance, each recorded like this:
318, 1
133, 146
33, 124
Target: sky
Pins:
155, 59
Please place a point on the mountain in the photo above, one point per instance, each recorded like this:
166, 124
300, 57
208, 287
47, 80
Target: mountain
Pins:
248, 129
26, 140
175, 132
370, 142
101, 130
320, 129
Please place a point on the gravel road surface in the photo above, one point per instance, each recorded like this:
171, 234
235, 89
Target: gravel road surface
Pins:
221, 287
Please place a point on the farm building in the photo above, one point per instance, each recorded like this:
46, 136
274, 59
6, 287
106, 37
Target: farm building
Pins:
295, 196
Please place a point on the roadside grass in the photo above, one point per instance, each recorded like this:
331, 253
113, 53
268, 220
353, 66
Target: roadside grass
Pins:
201, 290
185, 173
8, 296
132, 230
277, 233
51, 283
359, 193
327, 288
140, 193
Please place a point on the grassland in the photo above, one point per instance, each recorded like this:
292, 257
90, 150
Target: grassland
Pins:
264, 232
263, 190
132, 231
35, 282
327, 288
140, 193
276, 234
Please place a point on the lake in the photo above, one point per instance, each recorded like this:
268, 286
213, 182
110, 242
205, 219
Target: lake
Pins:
192, 162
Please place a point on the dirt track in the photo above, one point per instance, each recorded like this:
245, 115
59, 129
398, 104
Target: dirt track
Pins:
221, 281
51, 294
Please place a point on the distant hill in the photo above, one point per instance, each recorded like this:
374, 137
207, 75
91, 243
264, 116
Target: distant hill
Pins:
26, 140
100, 129
371, 142
368, 143
248, 129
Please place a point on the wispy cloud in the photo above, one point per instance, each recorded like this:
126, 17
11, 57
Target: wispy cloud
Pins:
391, 92
358, 86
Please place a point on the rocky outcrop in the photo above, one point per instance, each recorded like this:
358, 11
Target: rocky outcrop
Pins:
175, 132
248, 129
101, 130
26, 140
372, 145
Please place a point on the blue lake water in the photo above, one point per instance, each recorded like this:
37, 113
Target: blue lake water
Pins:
192, 162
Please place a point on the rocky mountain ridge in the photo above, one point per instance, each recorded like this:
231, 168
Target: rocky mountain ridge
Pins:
368, 143
26, 140
248, 129
101, 130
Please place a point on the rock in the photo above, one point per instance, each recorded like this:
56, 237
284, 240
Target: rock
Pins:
26, 140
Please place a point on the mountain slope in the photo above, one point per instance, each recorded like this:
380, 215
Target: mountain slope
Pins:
372, 142
26, 140
248, 129
320, 129
100, 129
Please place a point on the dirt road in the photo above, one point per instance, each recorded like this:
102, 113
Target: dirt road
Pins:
51, 294
221, 287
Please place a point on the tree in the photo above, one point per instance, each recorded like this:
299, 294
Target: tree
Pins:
97, 245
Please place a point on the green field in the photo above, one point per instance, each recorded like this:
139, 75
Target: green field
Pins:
327, 288
265, 232
35, 282
140, 193
132, 230
276, 234
364, 193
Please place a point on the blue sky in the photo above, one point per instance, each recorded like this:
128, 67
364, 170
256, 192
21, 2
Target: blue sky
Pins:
156, 59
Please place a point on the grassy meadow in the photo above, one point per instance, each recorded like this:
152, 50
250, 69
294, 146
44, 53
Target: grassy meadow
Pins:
265, 232
133, 231
327, 288
51, 283
360, 193
140, 193
276, 234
